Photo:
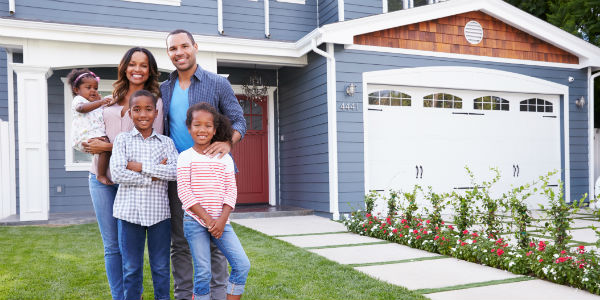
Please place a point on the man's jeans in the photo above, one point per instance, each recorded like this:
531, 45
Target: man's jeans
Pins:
103, 198
181, 259
199, 238
132, 238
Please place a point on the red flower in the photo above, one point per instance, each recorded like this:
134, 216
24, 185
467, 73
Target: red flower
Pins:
581, 247
474, 241
463, 243
563, 252
532, 244
500, 252
493, 250
419, 224
384, 231
436, 237
541, 260
406, 226
443, 238
442, 222
404, 221
437, 228
365, 229
450, 227
395, 230
529, 253
504, 246
499, 241
465, 231
368, 215
541, 246
424, 231
418, 237
370, 222
400, 234
474, 234
427, 221
415, 231
363, 225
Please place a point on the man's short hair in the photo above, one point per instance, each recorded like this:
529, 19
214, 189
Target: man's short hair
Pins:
178, 31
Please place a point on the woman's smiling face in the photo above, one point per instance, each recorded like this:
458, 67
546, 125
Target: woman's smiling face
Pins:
138, 69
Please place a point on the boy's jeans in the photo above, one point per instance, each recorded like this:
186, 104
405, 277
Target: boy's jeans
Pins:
132, 239
199, 239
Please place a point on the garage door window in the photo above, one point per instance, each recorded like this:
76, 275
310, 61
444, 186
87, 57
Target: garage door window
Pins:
441, 100
389, 98
536, 105
490, 103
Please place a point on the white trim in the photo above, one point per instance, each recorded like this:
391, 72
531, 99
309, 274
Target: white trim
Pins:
34, 180
5, 200
384, 4
341, 11
220, 17
267, 31
463, 56
591, 134
11, 7
11, 129
293, 1
104, 85
469, 78
343, 33
237, 89
159, 2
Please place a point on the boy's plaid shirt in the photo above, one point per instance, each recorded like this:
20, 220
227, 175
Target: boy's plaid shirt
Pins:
140, 200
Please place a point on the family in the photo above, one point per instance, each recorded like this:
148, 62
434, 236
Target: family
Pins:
174, 191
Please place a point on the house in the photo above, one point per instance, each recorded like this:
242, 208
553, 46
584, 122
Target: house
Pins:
360, 97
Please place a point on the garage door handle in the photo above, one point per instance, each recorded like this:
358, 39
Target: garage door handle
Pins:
518, 170
549, 117
417, 167
421, 167
514, 171
552, 185
376, 109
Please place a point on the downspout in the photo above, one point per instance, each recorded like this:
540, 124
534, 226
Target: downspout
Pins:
11, 7
591, 134
267, 31
220, 17
340, 10
332, 127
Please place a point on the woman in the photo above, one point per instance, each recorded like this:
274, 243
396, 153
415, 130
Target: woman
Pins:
137, 70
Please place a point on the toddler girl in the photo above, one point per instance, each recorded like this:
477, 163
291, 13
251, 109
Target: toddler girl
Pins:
207, 189
87, 120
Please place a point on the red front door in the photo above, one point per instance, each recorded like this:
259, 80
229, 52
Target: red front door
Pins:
251, 155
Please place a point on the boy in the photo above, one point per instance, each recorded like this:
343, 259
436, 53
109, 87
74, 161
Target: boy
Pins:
142, 163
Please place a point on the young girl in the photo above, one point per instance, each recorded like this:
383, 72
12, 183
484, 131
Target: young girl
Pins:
207, 189
87, 116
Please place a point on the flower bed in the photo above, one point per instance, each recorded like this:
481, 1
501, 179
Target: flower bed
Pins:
574, 267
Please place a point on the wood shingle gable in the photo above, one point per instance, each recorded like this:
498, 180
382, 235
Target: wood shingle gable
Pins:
447, 35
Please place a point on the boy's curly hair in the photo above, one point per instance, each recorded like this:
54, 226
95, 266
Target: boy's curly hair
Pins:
74, 74
224, 131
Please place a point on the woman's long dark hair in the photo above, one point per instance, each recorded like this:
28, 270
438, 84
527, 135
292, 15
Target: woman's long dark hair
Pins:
224, 131
122, 84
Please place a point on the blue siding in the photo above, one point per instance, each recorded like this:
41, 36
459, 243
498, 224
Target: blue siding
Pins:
3, 86
328, 12
196, 16
352, 63
354, 9
288, 21
302, 119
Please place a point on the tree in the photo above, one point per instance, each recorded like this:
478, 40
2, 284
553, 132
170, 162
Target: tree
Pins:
538, 8
579, 17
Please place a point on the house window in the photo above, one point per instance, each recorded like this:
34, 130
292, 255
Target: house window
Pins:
389, 98
76, 160
293, 1
536, 105
490, 103
441, 100
394, 5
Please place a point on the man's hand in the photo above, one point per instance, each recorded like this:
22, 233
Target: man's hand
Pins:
134, 166
217, 230
218, 148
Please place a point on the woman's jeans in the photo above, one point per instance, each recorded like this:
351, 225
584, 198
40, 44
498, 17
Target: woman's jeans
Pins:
132, 239
103, 198
199, 239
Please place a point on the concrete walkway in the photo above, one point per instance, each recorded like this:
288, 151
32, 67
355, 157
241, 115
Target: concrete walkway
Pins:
438, 277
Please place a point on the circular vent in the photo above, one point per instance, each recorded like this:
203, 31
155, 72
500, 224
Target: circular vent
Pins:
473, 32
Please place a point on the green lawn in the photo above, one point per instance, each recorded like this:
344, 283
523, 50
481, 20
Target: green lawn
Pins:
67, 263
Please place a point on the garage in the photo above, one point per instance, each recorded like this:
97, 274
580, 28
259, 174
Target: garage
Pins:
426, 136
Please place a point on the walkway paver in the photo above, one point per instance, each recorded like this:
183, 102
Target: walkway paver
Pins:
524, 290
412, 268
328, 240
437, 273
372, 253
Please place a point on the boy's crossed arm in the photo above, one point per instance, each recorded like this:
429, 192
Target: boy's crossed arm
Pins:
118, 166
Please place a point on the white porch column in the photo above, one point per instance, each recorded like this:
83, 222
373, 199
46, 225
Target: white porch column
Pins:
32, 107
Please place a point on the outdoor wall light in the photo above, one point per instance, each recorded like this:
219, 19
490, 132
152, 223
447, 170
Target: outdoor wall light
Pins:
350, 89
580, 102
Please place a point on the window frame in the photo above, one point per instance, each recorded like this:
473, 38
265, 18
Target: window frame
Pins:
401, 98
434, 100
492, 103
546, 104
104, 85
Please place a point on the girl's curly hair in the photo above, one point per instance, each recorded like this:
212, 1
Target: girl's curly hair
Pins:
74, 74
224, 131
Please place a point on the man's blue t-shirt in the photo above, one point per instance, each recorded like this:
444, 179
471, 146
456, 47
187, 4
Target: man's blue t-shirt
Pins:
177, 115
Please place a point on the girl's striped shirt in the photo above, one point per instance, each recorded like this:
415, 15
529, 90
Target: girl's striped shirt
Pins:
207, 181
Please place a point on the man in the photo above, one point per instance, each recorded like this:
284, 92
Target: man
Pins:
188, 85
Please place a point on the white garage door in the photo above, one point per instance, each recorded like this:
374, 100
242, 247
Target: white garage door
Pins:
427, 136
